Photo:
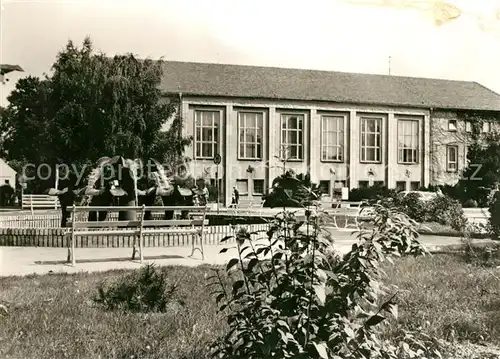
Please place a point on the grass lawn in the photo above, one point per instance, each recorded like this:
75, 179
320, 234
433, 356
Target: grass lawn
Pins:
53, 316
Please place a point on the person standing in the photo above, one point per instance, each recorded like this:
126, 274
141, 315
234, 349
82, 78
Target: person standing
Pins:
236, 197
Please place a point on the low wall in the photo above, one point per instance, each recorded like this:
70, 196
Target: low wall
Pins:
55, 237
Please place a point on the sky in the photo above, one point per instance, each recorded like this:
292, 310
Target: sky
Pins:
456, 39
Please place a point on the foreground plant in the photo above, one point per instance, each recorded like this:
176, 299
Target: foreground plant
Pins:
289, 295
145, 290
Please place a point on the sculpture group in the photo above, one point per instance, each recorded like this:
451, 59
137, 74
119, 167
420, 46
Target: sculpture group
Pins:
117, 181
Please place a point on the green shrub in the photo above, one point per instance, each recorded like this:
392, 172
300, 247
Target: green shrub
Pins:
292, 190
412, 206
447, 211
371, 193
494, 219
286, 299
470, 203
442, 209
146, 290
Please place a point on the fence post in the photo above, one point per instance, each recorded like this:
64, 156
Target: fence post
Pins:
140, 233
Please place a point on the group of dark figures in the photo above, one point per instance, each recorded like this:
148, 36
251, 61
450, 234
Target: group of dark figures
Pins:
122, 192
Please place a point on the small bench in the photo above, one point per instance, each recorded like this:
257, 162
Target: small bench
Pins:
139, 227
39, 201
354, 214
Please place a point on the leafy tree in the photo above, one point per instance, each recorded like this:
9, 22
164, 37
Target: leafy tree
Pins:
482, 172
91, 106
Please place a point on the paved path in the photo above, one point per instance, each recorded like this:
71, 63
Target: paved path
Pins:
41, 260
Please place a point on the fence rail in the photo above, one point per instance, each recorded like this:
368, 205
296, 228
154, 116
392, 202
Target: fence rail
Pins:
56, 237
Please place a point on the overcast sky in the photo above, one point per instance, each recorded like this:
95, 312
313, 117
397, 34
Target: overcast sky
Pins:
339, 35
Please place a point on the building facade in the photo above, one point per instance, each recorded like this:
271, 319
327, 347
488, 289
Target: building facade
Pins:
346, 130
7, 175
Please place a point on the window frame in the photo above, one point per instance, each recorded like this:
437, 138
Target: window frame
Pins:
488, 126
365, 183
448, 162
380, 121
417, 142
404, 187
329, 188
254, 193
338, 136
450, 129
216, 143
413, 183
262, 137
302, 146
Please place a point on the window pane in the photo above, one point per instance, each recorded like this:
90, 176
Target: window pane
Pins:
216, 134
371, 125
250, 151
250, 136
207, 119
198, 149
293, 122
206, 134
206, 150
251, 120
259, 151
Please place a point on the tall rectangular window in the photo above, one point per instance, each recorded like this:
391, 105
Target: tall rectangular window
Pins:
371, 139
206, 137
452, 158
407, 141
486, 126
468, 126
250, 126
292, 136
332, 138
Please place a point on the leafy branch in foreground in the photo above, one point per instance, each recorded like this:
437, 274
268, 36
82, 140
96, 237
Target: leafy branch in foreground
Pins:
290, 295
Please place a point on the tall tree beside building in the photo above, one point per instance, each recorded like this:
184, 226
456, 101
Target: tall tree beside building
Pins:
90, 106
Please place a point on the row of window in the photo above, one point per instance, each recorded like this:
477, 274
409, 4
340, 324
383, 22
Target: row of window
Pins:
251, 136
258, 188
453, 126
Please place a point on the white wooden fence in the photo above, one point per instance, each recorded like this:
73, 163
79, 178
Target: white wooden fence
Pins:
39, 201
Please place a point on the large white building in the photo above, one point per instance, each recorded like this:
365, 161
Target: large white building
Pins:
346, 129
